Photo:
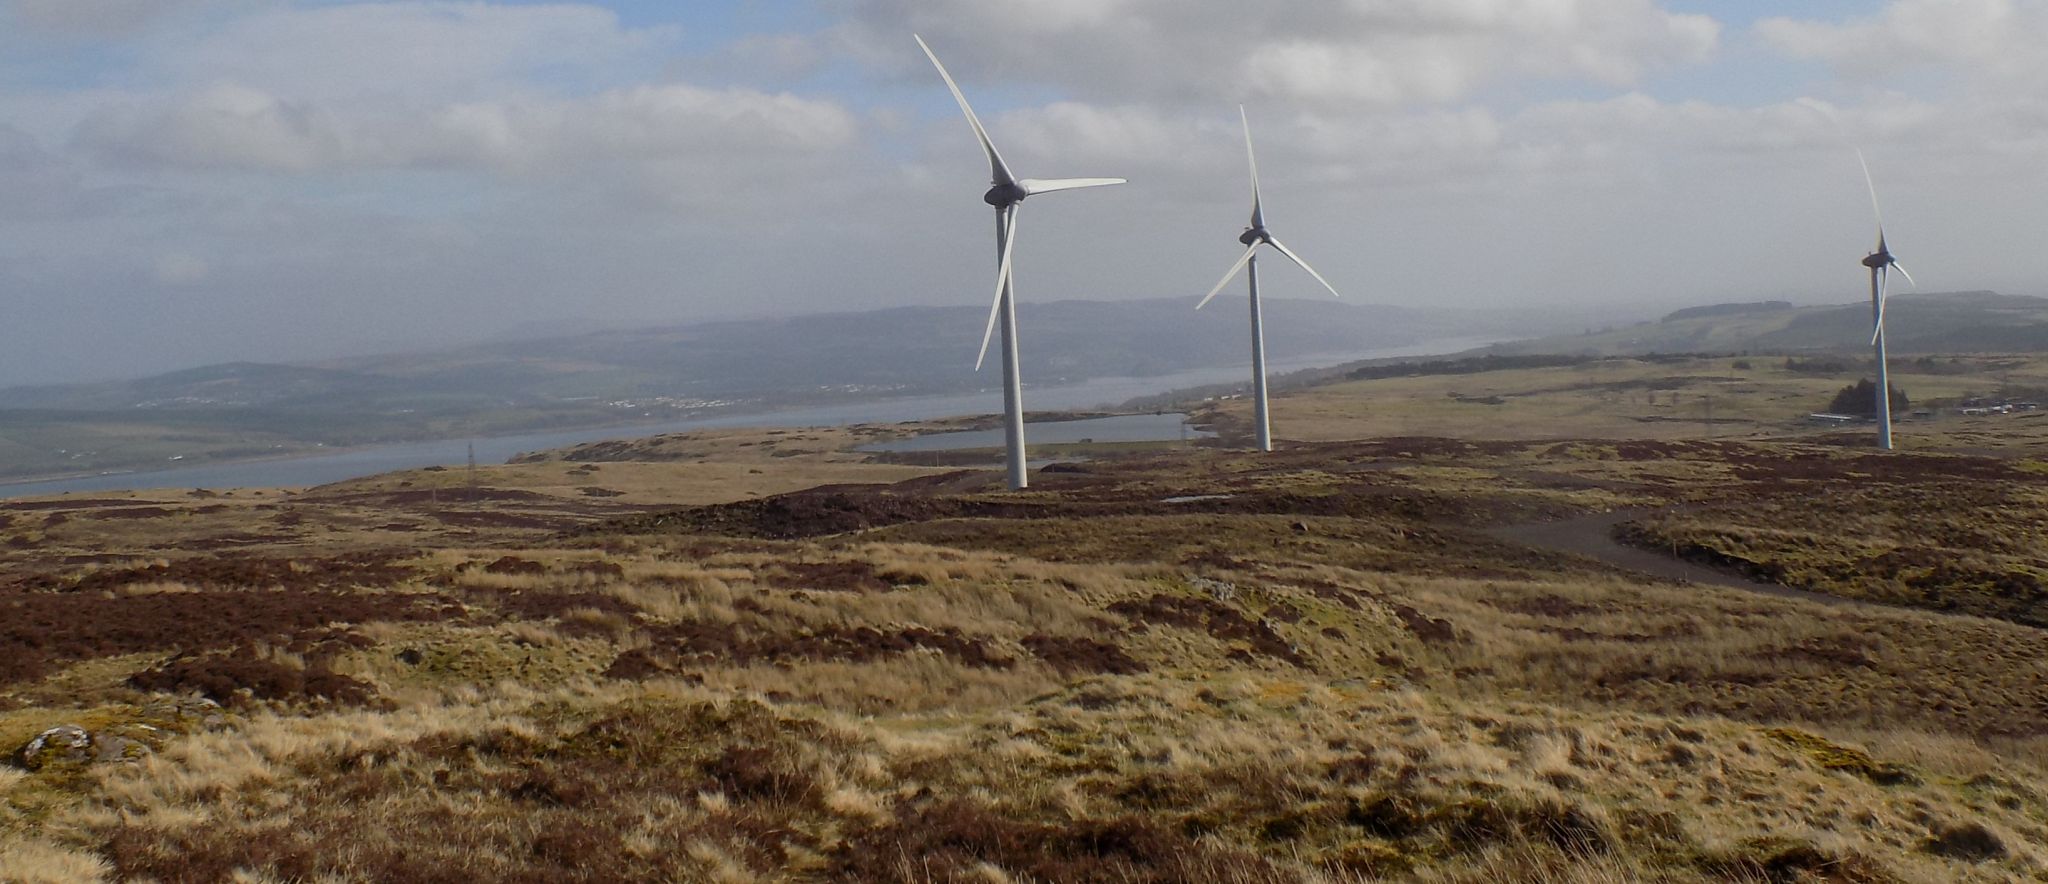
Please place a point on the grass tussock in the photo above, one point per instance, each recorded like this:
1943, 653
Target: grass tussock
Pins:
1138, 779
32, 861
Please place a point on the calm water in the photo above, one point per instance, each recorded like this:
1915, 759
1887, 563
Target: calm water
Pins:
1098, 393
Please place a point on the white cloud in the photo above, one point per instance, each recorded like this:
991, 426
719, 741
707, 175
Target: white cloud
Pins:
392, 51
756, 58
1371, 51
234, 127
178, 269
1985, 37
93, 17
39, 186
1618, 141
318, 176
561, 94
32, 180
1978, 107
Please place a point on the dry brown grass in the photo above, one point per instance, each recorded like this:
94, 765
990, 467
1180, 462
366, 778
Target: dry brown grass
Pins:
1390, 750
1977, 547
33, 861
1326, 783
1338, 671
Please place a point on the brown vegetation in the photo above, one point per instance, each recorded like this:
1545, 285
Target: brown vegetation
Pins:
1325, 665
42, 631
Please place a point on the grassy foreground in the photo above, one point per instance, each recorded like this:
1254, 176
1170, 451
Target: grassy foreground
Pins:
1347, 661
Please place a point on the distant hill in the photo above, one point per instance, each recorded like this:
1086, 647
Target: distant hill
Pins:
1960, 322
912, 350
229, 385
611, 377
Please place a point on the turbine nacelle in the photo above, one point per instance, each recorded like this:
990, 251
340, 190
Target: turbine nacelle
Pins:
1257, 235
1003, 196
1005, 192
1882, 259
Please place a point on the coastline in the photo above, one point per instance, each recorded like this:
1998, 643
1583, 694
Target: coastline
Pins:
1089, 397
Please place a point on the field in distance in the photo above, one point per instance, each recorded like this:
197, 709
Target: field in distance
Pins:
1672, 397
1542, 629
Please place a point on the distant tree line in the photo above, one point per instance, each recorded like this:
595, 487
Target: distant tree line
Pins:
1467, 365
1728, 310
1860, 399
1937, 365
1816, 365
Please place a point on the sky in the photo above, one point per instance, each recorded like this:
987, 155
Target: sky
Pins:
185, 182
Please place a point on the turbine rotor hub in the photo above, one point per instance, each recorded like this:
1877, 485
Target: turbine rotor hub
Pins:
1003, 196
1254, 236
1878, 260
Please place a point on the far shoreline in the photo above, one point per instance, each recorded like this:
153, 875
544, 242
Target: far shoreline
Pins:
25, 487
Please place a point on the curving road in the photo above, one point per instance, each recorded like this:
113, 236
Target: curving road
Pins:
1593, 537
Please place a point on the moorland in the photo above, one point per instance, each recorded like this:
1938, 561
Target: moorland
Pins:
1532, 623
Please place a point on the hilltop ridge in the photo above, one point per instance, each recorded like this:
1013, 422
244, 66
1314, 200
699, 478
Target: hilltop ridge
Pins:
1918, 323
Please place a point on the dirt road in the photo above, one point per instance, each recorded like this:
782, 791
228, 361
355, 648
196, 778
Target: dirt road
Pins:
1593, 537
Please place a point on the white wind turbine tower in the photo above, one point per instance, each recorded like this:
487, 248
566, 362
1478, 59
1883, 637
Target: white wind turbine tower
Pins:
1005, 192
1881, 263
1255, 236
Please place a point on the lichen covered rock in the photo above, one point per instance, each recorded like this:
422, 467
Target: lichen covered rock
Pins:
124, 738
63, 745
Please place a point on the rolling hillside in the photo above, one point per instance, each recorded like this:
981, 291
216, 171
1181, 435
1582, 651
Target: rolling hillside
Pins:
1961, 322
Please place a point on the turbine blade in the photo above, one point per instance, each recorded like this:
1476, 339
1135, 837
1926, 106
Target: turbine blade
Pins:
998, 171
1258, 205
1884, 285
1227, 277
1875, 209
1034, 186
1003, 274
1291, 256
1901, 268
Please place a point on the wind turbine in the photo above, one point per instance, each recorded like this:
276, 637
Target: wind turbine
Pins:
1881, 263
1255, 236
1005, 192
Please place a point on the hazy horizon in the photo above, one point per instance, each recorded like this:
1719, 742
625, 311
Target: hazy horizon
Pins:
188, 182
1592, 315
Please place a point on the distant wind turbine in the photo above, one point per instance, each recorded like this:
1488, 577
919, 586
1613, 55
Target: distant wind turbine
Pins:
1005, 192
1881, 263
1255, 236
